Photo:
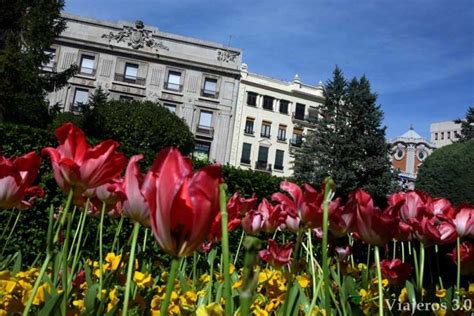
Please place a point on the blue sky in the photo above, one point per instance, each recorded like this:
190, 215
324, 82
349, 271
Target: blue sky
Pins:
417, 54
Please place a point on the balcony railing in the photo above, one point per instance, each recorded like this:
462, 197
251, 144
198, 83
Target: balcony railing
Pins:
136, 80
209, 93
281, 138
87, 71
249, 131
297, 141
245, 161
263, 166
206, 131
277, 167
173, 86
265, 135
299, 116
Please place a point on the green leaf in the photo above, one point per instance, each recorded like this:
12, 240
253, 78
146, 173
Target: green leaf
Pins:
52, 303
90, 298
411, 292
17, 265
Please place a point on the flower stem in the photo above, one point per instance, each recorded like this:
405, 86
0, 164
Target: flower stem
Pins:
225, 250
313, 270
6, 228
422, 266
169, 286
49, 241
403, 251
101, 259
117, 233
458, 271
79, 241
63, 215
11, 232
65, 267
379, 280
327, 194
238, 248
131, 261
145, 239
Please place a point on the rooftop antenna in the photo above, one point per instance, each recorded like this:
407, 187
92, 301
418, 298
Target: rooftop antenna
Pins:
230, 39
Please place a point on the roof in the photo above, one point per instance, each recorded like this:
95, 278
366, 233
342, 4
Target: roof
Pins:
411, 136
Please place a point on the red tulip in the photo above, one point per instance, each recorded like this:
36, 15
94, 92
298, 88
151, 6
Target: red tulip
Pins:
417, 204
467, 257
252, 222
16, 176
288, 217
341, 219
343, 252
395, 271
307, 202
371, 224
80, 167
275, 255
434, 231
267, 218
79, 280
464, 221
135, 206
443, 208
236, 207
182, 204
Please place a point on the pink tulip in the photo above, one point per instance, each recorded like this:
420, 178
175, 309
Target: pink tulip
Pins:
464, 221
135, 206
275, 255
16, 176
182, 204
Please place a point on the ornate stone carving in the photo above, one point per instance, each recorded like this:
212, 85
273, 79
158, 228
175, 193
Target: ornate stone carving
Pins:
136, 37
226, 56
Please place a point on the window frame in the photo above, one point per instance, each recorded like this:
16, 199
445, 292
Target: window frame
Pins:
266, 127
249, 160
287, 103
174, 86
281, 128
250, 131
252, 96
276, 165
210, 93
91, 57
130, 65
267, 98
76, 106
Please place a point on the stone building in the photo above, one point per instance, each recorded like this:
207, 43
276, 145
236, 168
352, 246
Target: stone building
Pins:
444, 133
271, 121
408, 152
196, 79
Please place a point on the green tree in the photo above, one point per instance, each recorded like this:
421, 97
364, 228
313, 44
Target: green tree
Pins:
27, 28
140, 126
347, 141
449, 172
467, 126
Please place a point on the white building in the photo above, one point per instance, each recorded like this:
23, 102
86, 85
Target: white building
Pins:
271, 121
444, 133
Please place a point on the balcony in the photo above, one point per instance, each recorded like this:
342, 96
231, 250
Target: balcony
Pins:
281, 138
173, 86
136, 80
245, 161
249, 131
263, 166
265, 135
205, 131
299, 116
209, 93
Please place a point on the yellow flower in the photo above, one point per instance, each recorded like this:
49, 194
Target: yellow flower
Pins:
113, 299
316, 311
205, 278
440, 293
79, 304
303, 280
237, 284
363, 293
403, 297
231, 269
471, 288
40, 296
188, 299
113, 260
142, 279
260, 312
7, 286
361, 266
212, 309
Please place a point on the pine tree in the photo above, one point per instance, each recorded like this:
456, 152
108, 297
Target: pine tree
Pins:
27, 28
467, 126
347, 142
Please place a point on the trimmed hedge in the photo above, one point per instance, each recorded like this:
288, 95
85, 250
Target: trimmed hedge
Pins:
449, 172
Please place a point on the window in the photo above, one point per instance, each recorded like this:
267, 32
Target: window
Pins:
202, 150
210, 88
252, 98
421, 155
266, 128
281, 133
87, 65
297, 137
299, 111
51, 63
442, 135
170, 107
262, 158
449, 135
174, 81
205, 119
125, 98
399, 153
131, 72
249, 126
81, 97
284, 106
279, 159
436, 136
268, 103
246, 149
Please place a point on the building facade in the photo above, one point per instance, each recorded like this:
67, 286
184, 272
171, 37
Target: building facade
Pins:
272, 119
408, 152
198, 80
444, 133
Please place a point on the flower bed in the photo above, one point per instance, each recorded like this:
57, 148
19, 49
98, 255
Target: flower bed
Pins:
302, 251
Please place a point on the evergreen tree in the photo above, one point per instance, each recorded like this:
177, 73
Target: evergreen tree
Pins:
27, 28
467, 126
347, 142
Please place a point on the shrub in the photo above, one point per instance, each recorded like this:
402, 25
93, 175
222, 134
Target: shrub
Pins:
144, 126
449, 172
